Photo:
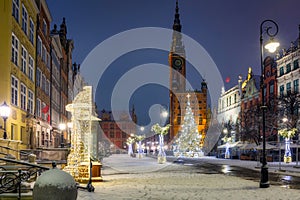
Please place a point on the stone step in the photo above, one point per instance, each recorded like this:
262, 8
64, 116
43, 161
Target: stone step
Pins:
14, 196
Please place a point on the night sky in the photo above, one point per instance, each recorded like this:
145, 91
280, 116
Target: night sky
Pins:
227, 30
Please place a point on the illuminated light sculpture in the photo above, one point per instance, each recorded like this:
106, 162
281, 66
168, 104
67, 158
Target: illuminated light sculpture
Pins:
83, 156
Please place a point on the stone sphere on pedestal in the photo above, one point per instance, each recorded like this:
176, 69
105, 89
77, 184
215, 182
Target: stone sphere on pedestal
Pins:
55, 184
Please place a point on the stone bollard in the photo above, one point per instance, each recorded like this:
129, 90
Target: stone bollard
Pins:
32, 158
55, 184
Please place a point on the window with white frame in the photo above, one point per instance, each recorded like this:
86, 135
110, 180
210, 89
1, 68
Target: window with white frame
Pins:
38, 107
30, 68
48, 61
23, 96
43, 114
14, 90
47, 89
14, 49
44, 54
39, 46
31, 31
15, 9
24, 19
45, 28
43, 82
30, 102
38, 77
23, 60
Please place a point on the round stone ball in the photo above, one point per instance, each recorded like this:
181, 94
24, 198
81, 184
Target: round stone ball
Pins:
55, 184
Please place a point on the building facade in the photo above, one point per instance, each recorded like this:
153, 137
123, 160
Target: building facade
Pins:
66, 66
44, 135
117, 130
288, 76
32, 67
229, 105
18, 61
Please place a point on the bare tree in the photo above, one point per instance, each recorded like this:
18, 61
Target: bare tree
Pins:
288, 107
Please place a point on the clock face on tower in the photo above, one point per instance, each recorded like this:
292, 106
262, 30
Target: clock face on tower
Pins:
177, 63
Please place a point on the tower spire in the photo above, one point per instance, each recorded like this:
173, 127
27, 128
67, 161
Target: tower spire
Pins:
177, 25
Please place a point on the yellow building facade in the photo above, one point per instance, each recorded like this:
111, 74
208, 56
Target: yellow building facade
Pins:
17, 65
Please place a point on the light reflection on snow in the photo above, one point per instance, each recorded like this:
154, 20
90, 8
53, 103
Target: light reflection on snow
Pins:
226, 169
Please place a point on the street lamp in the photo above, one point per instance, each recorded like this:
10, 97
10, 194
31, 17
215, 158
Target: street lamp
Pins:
163, 117
4, 113
271, 46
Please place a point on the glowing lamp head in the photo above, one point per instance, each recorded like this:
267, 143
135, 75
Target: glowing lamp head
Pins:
284, 119
62, 126
164, 114
272, 45
4, 110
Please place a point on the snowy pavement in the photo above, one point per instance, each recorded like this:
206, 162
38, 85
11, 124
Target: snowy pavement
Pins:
129, 178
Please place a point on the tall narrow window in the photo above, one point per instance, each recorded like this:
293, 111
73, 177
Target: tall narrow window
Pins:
288, 87
23, 60
45, 28
296, 64
281, 90
47, 87
30, 102
23, 96
14, 49
39, 46
38, 77
288, 68
38, 107
281, 71
296, 86
43, 82
24, 19
43, 114
31, 31
14, 90
44, 52
30, 68
15, 9
48, 60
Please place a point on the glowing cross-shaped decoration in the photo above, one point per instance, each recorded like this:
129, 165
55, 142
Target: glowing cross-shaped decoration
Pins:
188, 96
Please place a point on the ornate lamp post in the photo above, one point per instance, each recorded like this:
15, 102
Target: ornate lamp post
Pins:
271, 46
4, 112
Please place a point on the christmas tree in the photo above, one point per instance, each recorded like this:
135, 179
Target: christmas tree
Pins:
188, 142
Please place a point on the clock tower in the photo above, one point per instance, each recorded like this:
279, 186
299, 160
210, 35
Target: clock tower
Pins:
177, 71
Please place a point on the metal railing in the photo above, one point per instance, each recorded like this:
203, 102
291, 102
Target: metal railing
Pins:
12, 176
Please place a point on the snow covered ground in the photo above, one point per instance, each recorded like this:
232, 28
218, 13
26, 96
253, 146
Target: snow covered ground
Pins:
130, 178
